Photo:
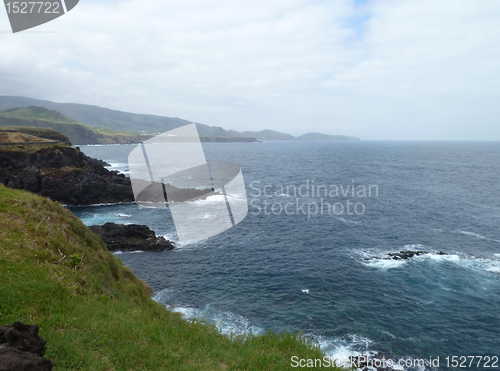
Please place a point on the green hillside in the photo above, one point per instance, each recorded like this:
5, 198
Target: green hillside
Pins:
95, 117
46, 133
99, 117
96, 314
78, 133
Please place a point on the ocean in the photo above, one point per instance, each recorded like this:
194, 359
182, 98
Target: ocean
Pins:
320, 265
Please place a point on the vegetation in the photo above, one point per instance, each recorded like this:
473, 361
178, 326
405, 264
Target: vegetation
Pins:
46, 133
15, 137
110, 132
30, 148
96, 314
100, 117
41, 117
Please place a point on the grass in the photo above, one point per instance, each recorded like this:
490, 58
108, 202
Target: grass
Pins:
78, 133
30, 148
96, 314
111, 132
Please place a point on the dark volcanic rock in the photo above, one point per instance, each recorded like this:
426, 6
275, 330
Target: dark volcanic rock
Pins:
12, 359
23, 337
404, 254
21, 348
63, 174
131, 237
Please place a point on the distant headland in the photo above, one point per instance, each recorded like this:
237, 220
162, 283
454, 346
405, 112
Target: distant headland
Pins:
86, 124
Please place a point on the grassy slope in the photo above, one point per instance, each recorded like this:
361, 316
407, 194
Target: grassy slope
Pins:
78, 133
95, 313
9, 137
96, 117
46, 133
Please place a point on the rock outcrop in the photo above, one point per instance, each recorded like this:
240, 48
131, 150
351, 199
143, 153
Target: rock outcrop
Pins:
22, 349
67, 175
403, 255
63, 174
131, 237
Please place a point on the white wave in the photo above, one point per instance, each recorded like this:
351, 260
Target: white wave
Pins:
340, 351
115, 164
210, 199
127, 252
103, 204
118, 166
348, 221
124, 215
380, 260
306, 291
227, 323
169, 236
417, 247
473, 234
385, 264
438, 257
151, 205
493, 269
162, 296
342, 348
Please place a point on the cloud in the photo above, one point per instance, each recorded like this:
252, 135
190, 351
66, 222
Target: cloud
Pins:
376, 69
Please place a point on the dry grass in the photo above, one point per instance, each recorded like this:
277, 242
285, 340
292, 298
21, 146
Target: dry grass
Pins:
8, 137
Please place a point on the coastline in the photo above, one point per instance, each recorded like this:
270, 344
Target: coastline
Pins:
68, 283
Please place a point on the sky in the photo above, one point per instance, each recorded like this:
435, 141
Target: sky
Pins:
375, 69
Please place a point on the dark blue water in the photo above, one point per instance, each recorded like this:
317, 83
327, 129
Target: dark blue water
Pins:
309, 273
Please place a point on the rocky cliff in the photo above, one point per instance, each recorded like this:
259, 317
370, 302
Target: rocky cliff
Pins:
63, 174
67, 175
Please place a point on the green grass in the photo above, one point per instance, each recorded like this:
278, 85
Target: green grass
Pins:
96, 314
37, 113
111, 132
78, 133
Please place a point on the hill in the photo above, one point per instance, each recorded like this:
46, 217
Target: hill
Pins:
7, 137
96, 314
41, 117
319, 136
99, 117
45, 133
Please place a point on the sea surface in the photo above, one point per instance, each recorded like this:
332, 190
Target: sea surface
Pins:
303, 271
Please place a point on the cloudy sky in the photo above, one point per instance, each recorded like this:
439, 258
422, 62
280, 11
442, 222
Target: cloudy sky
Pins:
376, 69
